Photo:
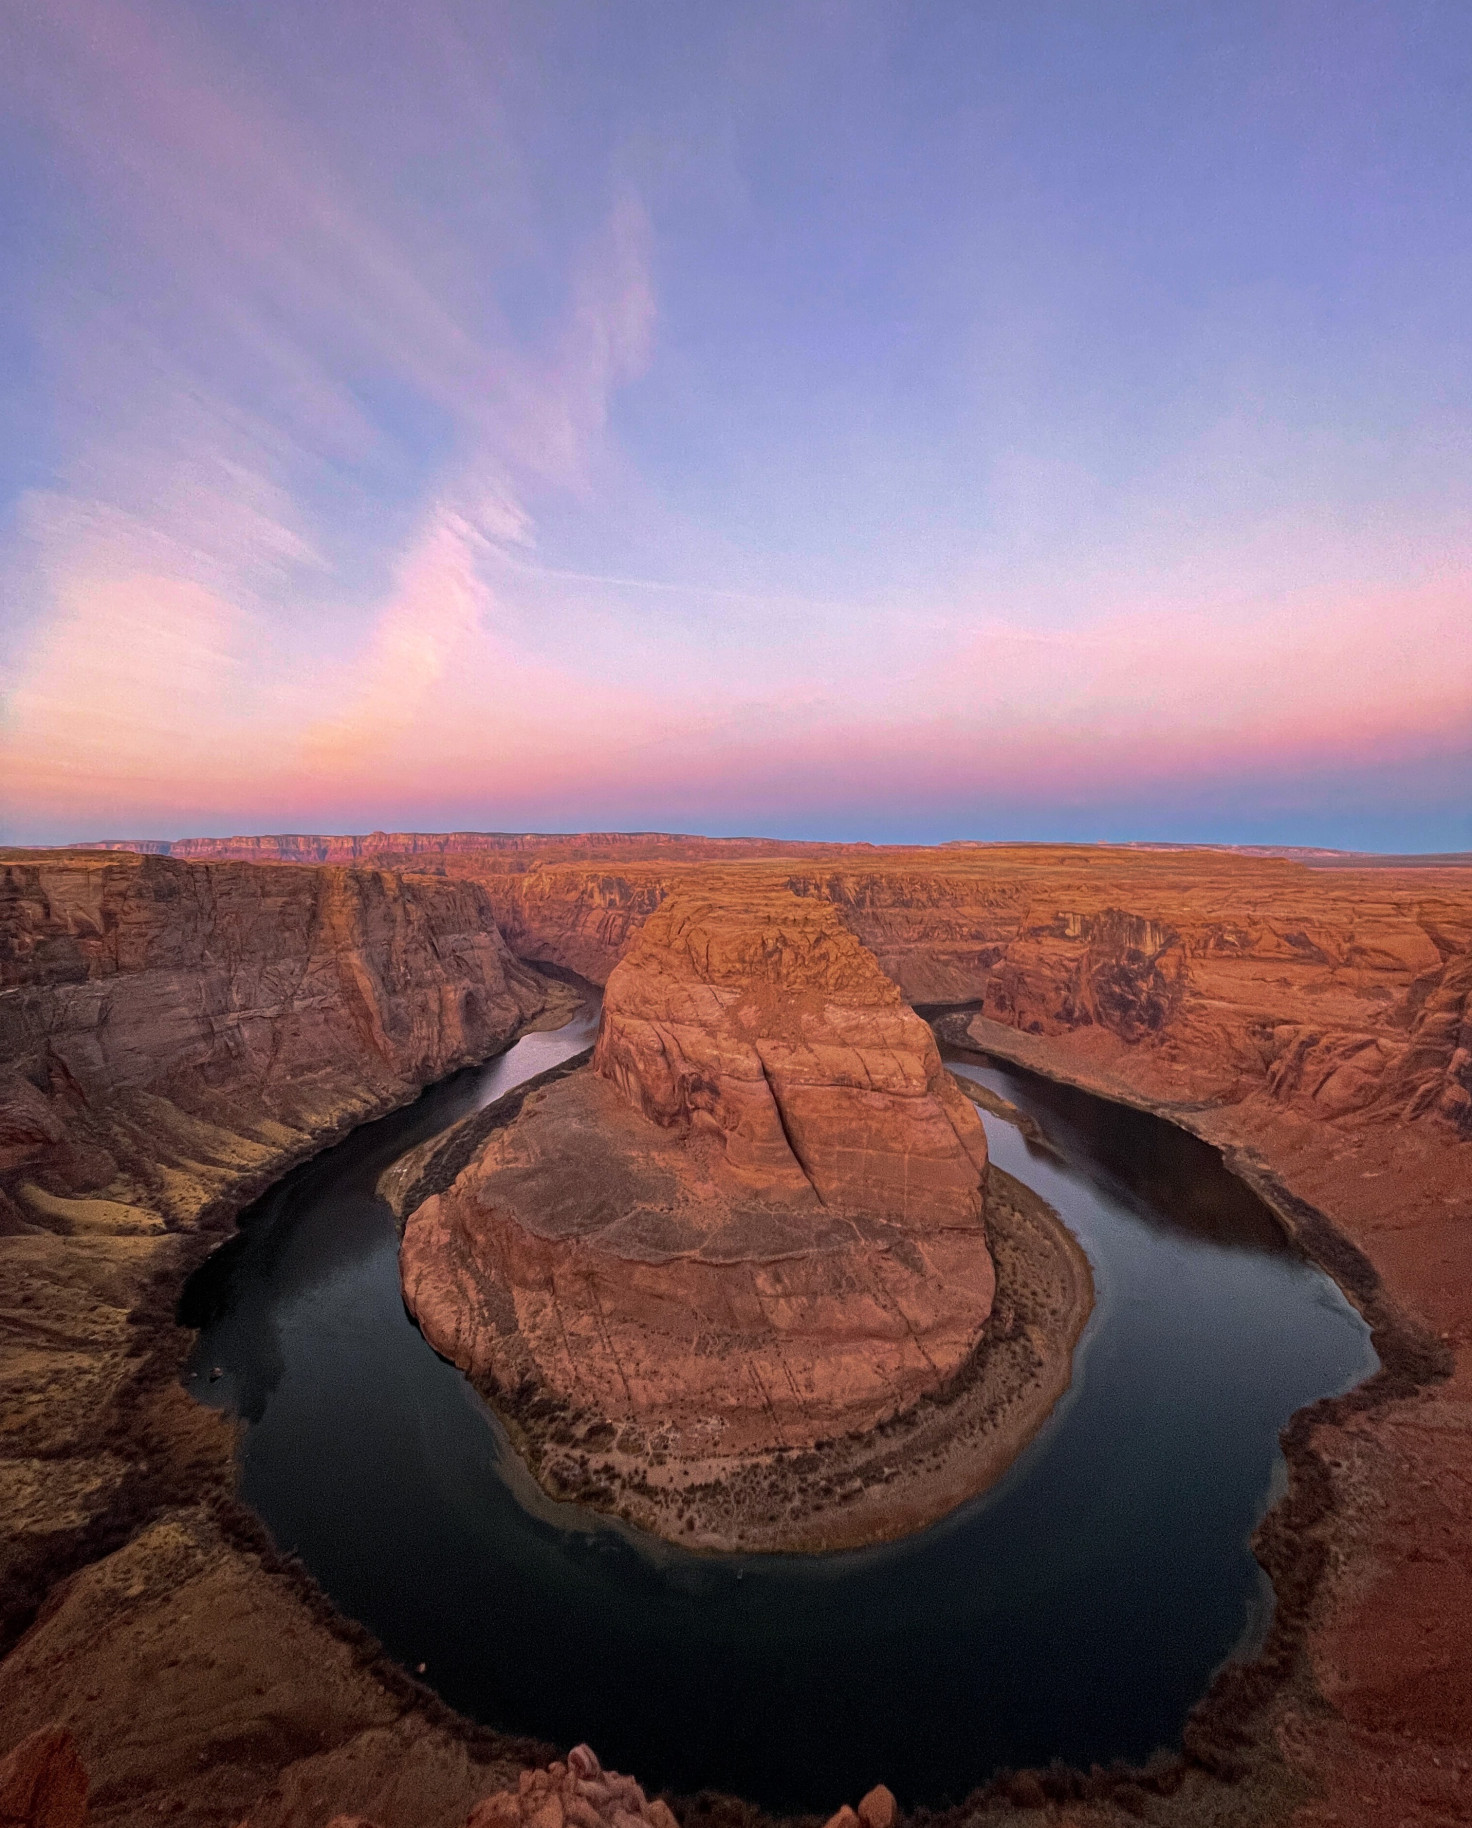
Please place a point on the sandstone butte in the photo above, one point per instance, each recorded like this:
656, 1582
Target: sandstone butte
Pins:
755, 1225
1310, 1015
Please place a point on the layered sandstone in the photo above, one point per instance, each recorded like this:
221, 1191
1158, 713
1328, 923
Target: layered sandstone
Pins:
755, 1225
173, 1035
1320, 977
159, 1018
766, 1024
1312, 1019
1226, 973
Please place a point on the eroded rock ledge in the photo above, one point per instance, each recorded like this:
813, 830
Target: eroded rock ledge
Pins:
173, 1036
734, 1281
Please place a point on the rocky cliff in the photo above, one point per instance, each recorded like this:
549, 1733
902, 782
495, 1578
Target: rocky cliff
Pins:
160, 1022
1325, 979
1220, 976
766, 1023
1312, 1021
755, 1225
172, 1035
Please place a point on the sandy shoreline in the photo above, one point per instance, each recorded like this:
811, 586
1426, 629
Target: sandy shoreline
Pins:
888, 1482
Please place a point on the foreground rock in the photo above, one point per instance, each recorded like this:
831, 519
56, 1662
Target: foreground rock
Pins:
572, 1793
172, 1036
43, 1783
753, 1231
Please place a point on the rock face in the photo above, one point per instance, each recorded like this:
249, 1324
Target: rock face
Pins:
274, 995
201, 1684
172, 1035
767, 1025
755, 1225
43, 1783
1329, 985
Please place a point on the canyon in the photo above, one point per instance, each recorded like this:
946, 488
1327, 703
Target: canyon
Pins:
710, 1266
173, 1036
177, 1029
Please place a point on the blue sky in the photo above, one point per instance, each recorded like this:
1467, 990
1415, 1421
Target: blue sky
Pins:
871, 421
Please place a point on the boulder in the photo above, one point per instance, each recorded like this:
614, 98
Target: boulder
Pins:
877, 1807
43, 1783
576, 1790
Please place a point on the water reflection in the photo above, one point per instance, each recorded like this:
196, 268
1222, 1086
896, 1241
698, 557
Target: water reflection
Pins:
1075, 1611
324, 1219
1169, 1178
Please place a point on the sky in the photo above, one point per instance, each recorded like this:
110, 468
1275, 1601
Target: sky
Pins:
869, 421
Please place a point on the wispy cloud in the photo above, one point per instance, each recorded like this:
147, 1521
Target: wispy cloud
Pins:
339, 514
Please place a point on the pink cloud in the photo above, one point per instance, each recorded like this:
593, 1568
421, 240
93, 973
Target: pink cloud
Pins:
439, 709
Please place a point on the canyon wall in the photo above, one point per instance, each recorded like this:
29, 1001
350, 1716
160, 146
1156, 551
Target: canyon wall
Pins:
1216, 976
1313, 1021
150, 1008
400, 848
173, 1035
1220, 975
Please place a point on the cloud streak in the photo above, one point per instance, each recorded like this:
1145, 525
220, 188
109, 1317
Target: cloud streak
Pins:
484, 435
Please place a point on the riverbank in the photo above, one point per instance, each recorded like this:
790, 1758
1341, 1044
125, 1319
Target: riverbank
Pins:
1336, 1716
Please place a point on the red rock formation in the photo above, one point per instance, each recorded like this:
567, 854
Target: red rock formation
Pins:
42, 1782
572, 1793
1235, 966
766, 1023
877, 1807
768, 1234
145, 999
1316, 1017
171, 1036
1221, 974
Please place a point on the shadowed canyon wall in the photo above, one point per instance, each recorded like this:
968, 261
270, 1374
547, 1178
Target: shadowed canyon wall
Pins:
172, 1036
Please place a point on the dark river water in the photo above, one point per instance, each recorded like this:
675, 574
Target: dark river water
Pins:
1076, 1611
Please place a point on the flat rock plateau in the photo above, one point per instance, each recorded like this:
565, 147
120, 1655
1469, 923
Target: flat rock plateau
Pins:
177, 1028
710, 1278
